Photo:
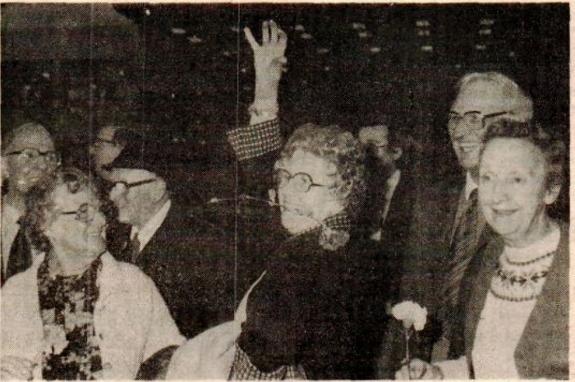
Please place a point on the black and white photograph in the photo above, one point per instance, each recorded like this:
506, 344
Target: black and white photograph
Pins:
244, 191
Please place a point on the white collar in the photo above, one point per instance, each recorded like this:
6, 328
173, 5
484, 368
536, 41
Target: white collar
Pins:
149, 229
470, 185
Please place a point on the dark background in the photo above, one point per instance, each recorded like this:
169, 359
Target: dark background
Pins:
74, 67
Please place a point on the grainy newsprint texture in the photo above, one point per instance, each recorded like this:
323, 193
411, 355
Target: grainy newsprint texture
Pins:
284, 191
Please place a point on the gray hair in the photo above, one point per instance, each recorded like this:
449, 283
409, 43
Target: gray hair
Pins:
522, 108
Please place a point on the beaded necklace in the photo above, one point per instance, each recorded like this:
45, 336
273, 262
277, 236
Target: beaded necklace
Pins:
520, 281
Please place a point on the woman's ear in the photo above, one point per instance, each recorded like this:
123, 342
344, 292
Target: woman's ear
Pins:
551, 194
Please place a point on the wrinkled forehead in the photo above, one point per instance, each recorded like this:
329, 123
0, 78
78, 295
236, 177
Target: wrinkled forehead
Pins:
504, 155
374, 134
483, 96
130, 175
31, 136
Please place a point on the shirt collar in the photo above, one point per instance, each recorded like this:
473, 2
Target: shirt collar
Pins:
149, 229
470, 185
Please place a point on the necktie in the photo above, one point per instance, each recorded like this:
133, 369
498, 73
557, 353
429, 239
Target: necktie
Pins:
462, 251
20, 257
134, 249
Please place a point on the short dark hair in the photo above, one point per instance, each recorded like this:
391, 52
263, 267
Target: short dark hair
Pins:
554, 150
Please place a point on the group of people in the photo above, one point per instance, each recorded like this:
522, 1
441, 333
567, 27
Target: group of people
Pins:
107, 274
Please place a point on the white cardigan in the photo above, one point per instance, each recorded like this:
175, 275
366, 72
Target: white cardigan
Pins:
131, 319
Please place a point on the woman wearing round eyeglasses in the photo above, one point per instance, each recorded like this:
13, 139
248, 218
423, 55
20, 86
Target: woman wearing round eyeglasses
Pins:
77, 313
517, 313
303, 317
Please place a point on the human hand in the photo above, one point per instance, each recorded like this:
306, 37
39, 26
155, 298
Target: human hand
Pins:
419, 369
15, 368
268, 56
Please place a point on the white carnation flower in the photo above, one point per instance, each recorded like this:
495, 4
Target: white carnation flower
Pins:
410, 313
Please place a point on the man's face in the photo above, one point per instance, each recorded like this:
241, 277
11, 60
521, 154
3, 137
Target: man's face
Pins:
104, 149
30, 161
132, 194
376, 140
469, 113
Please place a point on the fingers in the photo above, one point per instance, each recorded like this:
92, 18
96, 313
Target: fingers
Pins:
273, 31
265, 32
250, 38
281, 37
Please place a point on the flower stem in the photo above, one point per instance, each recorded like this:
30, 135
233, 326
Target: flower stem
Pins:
407, 356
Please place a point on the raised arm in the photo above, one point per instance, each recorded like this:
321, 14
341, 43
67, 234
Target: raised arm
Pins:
269, 63
257, 145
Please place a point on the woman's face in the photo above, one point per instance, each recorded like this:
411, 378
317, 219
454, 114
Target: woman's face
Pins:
306, 191
512, 189
76, 225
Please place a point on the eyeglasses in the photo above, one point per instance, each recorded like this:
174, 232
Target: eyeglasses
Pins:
302, 181
98, 142
127, 186
28, 155
85, 213
474, 120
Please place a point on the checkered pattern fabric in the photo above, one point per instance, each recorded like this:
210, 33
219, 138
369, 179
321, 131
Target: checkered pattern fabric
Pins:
338, 222
256, 140
243, 369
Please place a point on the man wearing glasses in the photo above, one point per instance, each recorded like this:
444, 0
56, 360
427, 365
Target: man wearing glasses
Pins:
29, 158
448, 229
181, 253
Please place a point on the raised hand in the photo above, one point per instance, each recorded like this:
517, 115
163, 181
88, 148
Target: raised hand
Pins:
269, 58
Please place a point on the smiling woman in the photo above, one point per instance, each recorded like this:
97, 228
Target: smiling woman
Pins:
53, 322
517, 317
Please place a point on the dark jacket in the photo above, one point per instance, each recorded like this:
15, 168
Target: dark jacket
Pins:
425, 265
192, 263
313, 307
543, 350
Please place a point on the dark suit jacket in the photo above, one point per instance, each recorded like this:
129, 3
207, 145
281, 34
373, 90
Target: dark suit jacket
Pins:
192, 263
395, 231
425, 264
543, 350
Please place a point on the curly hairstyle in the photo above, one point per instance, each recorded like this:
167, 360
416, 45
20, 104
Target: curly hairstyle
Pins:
340, 148
554, 150
40, 204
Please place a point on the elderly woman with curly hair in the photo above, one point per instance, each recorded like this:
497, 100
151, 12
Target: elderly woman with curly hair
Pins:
302, 318
77, 313
517, 310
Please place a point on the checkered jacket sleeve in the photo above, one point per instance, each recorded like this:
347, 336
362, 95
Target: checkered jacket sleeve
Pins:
244, 369
255, 140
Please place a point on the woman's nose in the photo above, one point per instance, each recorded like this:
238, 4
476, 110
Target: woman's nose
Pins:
499, 192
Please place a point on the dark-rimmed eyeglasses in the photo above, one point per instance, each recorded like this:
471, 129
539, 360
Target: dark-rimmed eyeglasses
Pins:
28, 155
127, 185
475, 120
99, 141
85, 213
302, 182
